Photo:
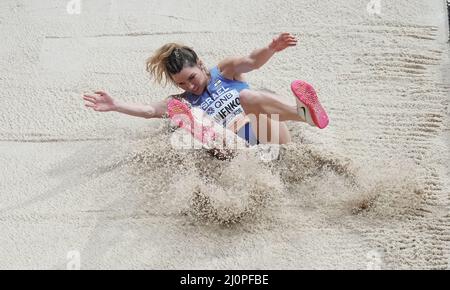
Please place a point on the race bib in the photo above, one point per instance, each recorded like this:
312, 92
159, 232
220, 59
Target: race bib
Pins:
224, 107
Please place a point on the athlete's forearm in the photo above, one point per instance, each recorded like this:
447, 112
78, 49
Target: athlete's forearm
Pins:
261, 56
137, 110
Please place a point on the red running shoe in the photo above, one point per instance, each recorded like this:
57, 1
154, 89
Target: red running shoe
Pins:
181, 116
308, 105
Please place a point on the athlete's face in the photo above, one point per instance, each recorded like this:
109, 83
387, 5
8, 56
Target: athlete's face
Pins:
191, 79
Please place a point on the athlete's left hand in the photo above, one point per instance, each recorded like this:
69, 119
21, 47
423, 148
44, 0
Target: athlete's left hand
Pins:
283, 41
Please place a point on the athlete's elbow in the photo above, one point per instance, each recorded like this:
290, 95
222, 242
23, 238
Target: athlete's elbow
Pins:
257, 66
251, 63
149, 113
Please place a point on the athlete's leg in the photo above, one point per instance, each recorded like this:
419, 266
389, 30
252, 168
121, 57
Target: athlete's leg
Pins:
259, 106
268, 130
308, 108
268, 103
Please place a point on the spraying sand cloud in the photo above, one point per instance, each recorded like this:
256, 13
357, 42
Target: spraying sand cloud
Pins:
370, 191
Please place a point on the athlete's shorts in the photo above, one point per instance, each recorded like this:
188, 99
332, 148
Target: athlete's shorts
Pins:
247, 134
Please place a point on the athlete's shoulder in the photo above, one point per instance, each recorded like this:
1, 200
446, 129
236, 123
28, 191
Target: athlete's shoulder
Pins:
225, 69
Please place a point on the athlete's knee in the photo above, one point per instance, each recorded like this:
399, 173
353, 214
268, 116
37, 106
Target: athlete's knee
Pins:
249, 98
285, 139
285, 135
245, 96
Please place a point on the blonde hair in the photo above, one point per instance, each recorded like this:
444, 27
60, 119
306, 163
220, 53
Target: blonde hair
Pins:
170, 59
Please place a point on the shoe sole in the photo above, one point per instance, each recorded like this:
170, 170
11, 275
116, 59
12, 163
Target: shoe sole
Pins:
306, 96
181, 116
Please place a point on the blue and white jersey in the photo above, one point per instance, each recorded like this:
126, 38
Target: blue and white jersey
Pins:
221, 100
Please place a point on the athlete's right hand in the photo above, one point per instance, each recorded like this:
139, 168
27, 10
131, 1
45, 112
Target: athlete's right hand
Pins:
100, 101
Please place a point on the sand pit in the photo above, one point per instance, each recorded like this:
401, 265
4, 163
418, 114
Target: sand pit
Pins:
108, 191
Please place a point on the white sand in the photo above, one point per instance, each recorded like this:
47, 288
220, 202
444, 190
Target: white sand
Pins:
370, 191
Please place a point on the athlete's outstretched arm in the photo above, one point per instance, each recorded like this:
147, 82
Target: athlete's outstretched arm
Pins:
102, 102
235, 66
